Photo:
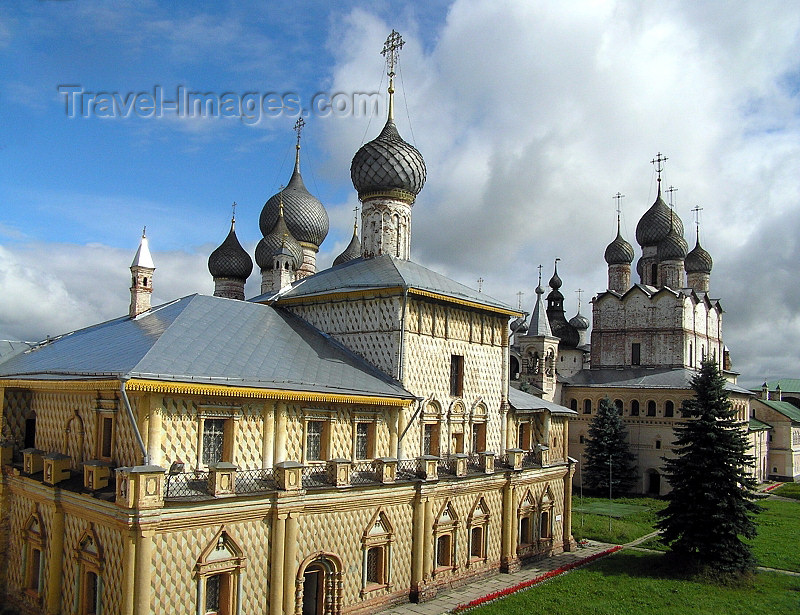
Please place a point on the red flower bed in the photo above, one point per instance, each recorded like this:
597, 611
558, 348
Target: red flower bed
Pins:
530, 582
771, 487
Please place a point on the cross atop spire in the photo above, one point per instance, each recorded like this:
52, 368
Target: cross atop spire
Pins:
233, 214
280, 201
579, 292
659, 161
480, 284
355, 222
144, 231
298, 128
696, 210
519, 299
618, 197
391, 50
671, 189
540, 275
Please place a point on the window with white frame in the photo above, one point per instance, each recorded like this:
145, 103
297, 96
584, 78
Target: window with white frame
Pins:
478, 528
376, 545
546, 516
314, 433
445, 530
90, 567
32, 550
217, 572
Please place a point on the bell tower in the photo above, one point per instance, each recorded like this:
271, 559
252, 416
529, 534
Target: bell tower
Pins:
142, 269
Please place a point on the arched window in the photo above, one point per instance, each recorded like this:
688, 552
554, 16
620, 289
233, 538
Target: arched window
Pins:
32, 555
90, 565
218, 569
525, 514
635, 407
654, 274
478, 527
651, 408
587, 406
444, 531
669, 409
573, 404
618, 404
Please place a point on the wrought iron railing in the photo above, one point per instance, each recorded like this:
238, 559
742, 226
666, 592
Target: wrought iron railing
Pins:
186, 486
444, 466
408, 469
474, 464
363, 473
314, 476
255, 481
531, 459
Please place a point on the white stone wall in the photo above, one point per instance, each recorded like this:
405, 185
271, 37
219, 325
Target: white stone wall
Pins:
386, 228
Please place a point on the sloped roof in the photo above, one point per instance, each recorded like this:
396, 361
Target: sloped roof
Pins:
641, 378
10, 348
756, 425
384, 272
790, 411
788, 385
208, 340
522, 401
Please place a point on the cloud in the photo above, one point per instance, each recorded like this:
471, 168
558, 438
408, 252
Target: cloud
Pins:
532, 115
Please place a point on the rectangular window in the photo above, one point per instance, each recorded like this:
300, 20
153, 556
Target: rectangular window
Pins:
375, 567
478, 437
636, 353
213, 440
476, 542
443, 551
525, 530
456, 375
34, 569
430, 439
212, 593
544, 524
90, 598
314, 431
658, 443
524, 436
106, 436
364, 441
458, 443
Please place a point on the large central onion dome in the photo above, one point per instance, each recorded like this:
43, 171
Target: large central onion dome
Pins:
230, 260
305, 215
619, 251
698, 260
655, 224
388, 165
672, 247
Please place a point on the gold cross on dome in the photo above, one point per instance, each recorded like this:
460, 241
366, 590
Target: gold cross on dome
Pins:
391, 49
298, 128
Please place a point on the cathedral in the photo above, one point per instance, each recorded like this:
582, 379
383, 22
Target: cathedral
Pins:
647, 341
344, 441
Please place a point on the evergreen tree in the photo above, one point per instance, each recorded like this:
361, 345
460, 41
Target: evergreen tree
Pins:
712, 499
608, 439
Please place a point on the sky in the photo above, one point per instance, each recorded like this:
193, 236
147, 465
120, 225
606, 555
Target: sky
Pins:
530, 117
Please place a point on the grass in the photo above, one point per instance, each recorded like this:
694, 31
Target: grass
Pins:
635, 582
778, 535
638, 520
788, 490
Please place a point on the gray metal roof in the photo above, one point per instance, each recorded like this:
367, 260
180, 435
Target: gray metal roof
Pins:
522, 401
10, 348
209, 340
383, 272
641, 378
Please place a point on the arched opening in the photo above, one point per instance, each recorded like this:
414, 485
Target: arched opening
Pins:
514, 368
635, 407
669, 409
653, 482
320, 587
651, 408
618, 405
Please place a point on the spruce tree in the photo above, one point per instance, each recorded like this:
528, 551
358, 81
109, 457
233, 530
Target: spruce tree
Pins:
712, 499
608, 439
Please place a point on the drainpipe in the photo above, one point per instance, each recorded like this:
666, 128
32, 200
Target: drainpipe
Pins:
136, 432
400, 370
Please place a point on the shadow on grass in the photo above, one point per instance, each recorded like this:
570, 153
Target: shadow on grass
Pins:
665, 566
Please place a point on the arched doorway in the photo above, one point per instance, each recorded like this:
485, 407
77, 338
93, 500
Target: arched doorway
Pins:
653, 482
319, 586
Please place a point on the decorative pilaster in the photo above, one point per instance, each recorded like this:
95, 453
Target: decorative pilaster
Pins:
268, 435
277, 563
55, 562
144, 573
290, 563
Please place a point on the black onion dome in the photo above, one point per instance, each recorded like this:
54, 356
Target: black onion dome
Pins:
519, 326
230, 260
305, 215
655, 224
278, 238
579, 321
555, 282
388, 164
698, 260
672, 247
351, 252
619, 252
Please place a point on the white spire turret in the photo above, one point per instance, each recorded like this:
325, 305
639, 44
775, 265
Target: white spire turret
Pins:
142, 269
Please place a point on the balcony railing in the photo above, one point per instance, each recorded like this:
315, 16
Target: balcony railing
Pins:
186, 486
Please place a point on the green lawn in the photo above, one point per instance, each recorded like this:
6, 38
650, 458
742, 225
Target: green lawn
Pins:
631, 518
635, 582
788, 490
776, 545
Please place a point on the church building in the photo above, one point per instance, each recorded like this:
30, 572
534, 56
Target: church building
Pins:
345, 441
